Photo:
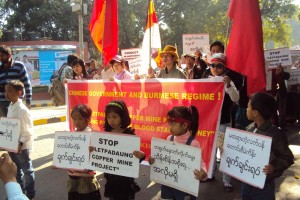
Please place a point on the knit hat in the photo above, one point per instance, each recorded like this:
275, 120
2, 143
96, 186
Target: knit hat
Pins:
219, 57
169, 49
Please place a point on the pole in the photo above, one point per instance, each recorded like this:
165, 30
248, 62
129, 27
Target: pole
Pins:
80, 31
148, 20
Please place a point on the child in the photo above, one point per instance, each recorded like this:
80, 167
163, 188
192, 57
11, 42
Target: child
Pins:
261, 109
79, 71
82, 185
121, 70
16, 109
117, 120
183, 122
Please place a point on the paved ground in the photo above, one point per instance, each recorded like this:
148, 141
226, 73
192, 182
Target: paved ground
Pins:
51, 184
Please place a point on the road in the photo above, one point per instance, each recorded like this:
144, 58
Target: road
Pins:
51, 184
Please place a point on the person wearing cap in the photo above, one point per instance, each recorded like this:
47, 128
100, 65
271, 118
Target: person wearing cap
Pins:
9, 70
192, 70
218, 68
169, 58
120, 69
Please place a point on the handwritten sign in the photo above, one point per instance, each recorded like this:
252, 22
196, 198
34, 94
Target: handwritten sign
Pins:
278, 56
9, 134
113, 154
245, 155
71, 150
174, 165
192, 42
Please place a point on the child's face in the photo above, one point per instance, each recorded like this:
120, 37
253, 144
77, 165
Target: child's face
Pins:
118, 67
77, 69
250, 112
11, 94
114, 120
79, 121
177, 128
217, 69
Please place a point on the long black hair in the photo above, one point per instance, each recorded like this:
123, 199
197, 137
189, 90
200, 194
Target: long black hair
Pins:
81, 63
119, 107
190, 114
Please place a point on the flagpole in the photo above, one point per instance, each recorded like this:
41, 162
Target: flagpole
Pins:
148, 20
227, 34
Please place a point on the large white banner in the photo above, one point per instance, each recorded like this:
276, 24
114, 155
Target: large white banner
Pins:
9, 134
192, 42
71, 150
113, 154
245, 155
174, 165
278, 56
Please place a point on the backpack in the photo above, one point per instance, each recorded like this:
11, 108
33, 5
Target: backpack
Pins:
57, 90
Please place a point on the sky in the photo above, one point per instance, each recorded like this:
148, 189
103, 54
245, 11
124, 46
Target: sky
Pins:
297, 2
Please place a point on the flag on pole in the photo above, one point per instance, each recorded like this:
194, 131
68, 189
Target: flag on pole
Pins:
151, 45
245, 52
104, 28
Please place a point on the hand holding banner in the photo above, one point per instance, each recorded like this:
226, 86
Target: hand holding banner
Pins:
9, 134
245, 155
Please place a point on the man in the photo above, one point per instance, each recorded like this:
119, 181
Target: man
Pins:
67, 71
12, 70
170, 61
8, 171
192, 70
200, 62
28, 66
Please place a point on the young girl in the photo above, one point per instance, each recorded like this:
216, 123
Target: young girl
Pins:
82, 185
117, 120
183, 122
79, 71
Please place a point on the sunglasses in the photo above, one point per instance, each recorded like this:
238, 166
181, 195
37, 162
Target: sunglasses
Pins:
218, 66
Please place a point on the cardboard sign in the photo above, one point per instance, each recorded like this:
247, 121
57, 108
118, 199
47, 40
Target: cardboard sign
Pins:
192, 42
245, 155
71, 150
113, 154
278, 56
9, 134
174, 165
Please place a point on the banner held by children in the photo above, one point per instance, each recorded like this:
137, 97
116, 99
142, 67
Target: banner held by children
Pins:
245, 155
71, 150
9, 134
174, 165
149, 101
113, 154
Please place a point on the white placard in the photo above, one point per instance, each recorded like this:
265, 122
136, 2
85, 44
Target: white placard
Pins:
9, 134
71, 150
135, 65
245, 155
294, 77
174, 165
192, 42
278, 56
113, 154
130, 54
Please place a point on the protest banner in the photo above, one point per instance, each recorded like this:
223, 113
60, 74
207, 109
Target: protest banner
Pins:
71, 150
245, 155
192, 42
278, 56
9, 134
174, 165
294, 77
113, 154
149, 101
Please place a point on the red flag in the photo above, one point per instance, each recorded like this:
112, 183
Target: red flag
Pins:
104, 28
245, 53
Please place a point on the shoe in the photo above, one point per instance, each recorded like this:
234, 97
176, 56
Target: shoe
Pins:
228, 187
208, 180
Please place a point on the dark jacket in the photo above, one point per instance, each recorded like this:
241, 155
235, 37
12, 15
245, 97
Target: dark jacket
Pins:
281, 156
278, 83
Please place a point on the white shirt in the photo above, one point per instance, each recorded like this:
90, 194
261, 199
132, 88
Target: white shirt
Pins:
107, 73
20, 111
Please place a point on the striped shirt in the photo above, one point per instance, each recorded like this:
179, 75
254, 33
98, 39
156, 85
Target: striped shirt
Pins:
16, 71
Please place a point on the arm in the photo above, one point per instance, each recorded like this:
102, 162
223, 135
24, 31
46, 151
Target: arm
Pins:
27, 86
26, 128
231, 89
